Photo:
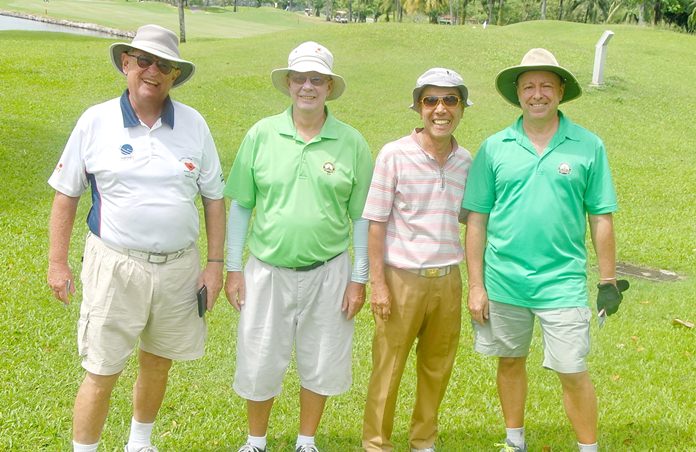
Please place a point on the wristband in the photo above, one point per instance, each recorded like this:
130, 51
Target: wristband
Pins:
216, 260
608, 279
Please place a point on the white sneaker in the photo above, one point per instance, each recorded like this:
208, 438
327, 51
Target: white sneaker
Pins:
142, 449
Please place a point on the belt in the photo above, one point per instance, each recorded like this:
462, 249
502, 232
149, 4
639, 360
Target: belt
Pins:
431, 272
314, 265
153, 258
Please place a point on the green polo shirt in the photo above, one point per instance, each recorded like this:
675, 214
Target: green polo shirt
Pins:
537, 205
304, 193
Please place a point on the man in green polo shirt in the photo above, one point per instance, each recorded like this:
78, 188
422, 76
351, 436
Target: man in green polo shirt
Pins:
529, 191
306, 175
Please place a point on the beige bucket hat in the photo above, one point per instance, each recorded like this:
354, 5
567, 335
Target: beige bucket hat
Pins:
309, 57
157, 41
536, 60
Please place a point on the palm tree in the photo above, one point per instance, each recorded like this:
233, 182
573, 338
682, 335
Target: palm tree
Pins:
182, 24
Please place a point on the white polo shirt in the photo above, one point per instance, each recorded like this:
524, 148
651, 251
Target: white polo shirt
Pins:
144, 181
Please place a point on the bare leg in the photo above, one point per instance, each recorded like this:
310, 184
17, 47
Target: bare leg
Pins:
512, 389
150, 386
92, 406
311, 409
258, 414
580, 404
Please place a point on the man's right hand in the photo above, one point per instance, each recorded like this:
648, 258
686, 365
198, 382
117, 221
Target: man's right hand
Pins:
380, 300
235, 290
60, 280
609, 296
478, 303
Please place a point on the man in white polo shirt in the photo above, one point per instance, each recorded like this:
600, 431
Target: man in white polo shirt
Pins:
146, 158
414, 253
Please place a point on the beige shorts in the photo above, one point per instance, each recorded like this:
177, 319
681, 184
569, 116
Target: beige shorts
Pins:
283, 309
126, 298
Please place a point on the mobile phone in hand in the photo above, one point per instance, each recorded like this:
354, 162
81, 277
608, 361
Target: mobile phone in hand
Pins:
202, 297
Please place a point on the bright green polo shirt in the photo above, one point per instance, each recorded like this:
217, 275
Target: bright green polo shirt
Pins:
304, 193
537, 205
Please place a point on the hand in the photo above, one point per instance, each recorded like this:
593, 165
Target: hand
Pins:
609, 296
478, 304
235, 291
211, 277
380, 300
353, 299
60, 280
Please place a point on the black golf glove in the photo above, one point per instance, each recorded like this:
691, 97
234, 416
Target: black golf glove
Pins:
609, 296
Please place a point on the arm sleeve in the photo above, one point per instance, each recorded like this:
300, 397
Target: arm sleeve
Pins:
360, 262
237, 225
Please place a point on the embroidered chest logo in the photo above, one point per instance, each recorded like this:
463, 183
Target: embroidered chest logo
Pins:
564, 169
189, 167
126, 149
328, 168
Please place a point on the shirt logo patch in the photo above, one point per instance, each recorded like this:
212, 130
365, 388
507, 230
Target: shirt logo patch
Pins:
189, 167
328, 168
126, 149
564, 169
59, 167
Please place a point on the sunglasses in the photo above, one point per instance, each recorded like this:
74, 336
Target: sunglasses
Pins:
448, 101
315, 80
145, 61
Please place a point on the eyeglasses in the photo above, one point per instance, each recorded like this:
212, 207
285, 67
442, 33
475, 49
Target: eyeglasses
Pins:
315, 80
448, 101
145, 61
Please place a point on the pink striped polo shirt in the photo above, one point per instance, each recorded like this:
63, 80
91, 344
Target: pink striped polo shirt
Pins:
420, 201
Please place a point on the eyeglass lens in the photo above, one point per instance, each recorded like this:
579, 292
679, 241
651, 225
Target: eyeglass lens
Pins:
300, 79
145, 62
449, 101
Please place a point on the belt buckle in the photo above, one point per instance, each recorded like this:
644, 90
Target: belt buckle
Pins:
157, 258
432, 272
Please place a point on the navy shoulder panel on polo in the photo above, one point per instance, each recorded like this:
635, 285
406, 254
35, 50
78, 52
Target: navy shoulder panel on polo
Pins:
130, 118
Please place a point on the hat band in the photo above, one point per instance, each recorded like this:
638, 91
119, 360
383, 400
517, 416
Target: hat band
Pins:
309, 59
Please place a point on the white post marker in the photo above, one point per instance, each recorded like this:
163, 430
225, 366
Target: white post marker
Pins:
600, 58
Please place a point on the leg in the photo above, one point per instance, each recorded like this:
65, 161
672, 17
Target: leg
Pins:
311, 409
92, 406
580, 404
512, 389
258, 413
150, 386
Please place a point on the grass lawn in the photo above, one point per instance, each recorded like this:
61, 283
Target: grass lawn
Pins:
642, 365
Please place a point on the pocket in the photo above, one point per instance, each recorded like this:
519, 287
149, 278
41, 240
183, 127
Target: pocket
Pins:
82, 327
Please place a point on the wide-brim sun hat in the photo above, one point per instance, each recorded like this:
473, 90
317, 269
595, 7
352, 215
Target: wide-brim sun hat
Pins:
440, 77
309, 57
536, 60
157, 41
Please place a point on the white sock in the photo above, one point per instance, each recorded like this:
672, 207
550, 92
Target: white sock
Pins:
257, 441
587, 447
139, 435
515, 436
301, 440
77, 447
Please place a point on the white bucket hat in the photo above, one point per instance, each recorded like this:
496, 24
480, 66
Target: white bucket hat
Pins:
536, 60
440, 77
156, 41
309, 57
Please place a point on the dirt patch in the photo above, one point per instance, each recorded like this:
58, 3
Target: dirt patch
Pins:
651, 274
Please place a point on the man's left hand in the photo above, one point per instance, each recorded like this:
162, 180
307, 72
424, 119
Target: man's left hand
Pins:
353, 299
211, 277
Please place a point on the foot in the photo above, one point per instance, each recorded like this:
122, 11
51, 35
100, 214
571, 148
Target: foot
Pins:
307, 448
507, 446
249, 448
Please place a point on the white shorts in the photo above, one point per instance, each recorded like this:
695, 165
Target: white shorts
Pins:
285, 308
126, 298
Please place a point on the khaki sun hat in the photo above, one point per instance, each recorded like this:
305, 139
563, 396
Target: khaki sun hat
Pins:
157, 41
536, 60
309, 57
440, 77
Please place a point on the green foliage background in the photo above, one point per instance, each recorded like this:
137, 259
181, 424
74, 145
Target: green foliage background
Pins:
642, 365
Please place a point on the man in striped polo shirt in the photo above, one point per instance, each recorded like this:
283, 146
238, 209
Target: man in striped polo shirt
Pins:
414, 252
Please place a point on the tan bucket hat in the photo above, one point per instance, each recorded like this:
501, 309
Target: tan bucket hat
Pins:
309, 57
157, 41
536, 60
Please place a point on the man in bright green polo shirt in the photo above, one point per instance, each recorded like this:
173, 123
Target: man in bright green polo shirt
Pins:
529, 191
306, 175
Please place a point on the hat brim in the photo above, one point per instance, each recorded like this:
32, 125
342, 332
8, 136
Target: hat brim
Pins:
463, 90
505, 82
279, 77
186, 67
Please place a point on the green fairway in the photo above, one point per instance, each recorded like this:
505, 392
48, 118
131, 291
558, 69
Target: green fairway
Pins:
643, 366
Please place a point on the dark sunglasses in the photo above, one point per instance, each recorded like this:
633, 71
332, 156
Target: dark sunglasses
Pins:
145, 61
448, 101
316, 80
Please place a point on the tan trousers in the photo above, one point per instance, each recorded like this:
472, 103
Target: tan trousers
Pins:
428, 309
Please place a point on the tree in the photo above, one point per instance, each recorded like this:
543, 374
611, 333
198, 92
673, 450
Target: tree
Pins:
182, 24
